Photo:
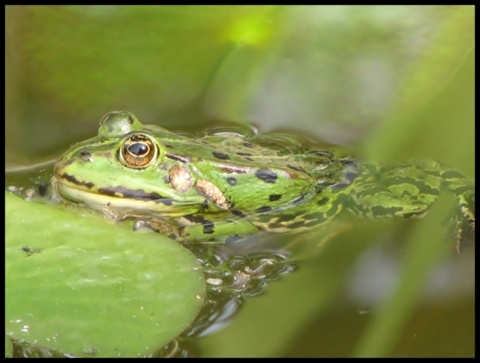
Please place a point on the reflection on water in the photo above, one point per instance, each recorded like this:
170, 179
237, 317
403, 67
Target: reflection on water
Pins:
233, 274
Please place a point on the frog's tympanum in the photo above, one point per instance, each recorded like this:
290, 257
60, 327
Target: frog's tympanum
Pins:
228, 184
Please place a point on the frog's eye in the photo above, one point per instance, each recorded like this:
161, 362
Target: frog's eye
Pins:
138, 151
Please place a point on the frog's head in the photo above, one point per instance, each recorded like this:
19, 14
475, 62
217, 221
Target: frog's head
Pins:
124, 167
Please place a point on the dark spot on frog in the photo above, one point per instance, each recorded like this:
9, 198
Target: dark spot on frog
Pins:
176, 157
208, 227
122, 192
266, 175
166, 179
328, 154
30, 251
232, 181
450, 174
220, 156
243, 153
462, 190
238, 213
249, 159
350, 176
107, 154
263, 209
195, 218
349, 163
130, 120
420, 184
298, 200
323, 201
247, 144
274, 197
73, 180
166, 201
169, 146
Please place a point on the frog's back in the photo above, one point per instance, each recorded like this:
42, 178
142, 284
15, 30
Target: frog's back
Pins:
256, 178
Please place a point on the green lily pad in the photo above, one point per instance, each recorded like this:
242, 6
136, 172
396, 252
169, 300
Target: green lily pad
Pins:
86, 286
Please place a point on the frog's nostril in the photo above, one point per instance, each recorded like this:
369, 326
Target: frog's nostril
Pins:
85, 155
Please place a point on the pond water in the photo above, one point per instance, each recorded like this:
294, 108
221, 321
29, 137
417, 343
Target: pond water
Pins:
289, 295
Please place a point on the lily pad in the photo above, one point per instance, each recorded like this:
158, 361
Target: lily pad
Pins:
86, 286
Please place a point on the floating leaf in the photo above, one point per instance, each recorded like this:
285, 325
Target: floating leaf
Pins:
84, 286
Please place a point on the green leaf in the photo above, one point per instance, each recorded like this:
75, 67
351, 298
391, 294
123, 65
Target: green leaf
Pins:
83, 285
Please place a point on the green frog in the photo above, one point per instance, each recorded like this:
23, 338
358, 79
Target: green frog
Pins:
227, 184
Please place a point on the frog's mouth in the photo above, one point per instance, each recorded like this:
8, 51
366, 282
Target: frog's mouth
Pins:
69, 188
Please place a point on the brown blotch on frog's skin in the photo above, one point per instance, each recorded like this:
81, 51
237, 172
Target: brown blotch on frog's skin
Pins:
266, 175
180, 178
220, 155
212, 192
243, 153
247, 144
107, 154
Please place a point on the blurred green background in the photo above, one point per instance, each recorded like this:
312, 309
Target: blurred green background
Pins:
391, 82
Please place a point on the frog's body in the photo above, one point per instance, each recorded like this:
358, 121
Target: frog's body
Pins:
228, 184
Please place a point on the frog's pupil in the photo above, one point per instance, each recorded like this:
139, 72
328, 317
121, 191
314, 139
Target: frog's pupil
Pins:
138, 149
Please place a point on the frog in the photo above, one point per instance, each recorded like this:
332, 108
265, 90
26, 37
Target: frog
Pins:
226, 185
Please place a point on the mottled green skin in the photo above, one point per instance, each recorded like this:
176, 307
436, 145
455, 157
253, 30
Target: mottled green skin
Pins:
229, 184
